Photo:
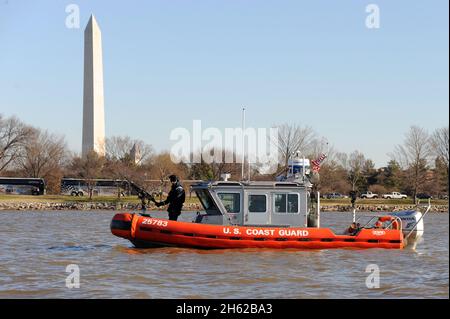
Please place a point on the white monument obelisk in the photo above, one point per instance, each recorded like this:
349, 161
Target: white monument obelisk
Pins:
93, 104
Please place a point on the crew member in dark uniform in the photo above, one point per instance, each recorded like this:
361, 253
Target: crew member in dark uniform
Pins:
175, 199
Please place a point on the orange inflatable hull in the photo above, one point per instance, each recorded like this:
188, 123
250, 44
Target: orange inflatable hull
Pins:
155, 232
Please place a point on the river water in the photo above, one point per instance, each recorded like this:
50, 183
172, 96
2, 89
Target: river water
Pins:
36, 248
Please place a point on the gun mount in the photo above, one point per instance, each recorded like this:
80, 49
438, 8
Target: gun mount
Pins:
143, 195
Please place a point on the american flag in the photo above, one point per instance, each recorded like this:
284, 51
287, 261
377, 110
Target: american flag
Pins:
316, 163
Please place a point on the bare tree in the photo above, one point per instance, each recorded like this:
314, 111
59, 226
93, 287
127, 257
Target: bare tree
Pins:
13, 135
120, 148
89, 168
413, 156
354, 166
41, 154
440, 148
439, 143
332, 178
161, 166
126, 171
214, 170
292, 139
321, 146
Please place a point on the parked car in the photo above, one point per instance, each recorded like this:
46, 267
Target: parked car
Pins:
394, 195
369, 195
424, 196
77, 192
334, 196
445, 196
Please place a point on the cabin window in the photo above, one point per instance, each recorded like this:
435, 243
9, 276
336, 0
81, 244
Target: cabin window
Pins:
231, 202
257, 203
286, 203
207, 202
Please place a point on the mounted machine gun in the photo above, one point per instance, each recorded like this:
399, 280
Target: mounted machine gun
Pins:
143, 195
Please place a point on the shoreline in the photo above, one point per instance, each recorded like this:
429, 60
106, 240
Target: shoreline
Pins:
81, 206
133, 206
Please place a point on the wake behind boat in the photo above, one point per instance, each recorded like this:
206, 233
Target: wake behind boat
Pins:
266, 215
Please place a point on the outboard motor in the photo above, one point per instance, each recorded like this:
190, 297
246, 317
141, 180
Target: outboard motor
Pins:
412, 225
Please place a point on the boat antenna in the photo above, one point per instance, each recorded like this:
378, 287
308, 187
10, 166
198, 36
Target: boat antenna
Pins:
249, 166
243, 143
303, 169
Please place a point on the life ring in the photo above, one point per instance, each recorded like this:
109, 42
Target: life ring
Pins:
394, 225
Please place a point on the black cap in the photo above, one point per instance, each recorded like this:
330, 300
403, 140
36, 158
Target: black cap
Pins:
173, 178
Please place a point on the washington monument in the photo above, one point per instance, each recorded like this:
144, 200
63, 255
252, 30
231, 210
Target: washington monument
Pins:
93, 105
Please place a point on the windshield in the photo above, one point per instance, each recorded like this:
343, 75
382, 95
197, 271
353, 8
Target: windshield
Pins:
207, 202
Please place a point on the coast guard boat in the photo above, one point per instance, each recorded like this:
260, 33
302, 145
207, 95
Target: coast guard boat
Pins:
279, 214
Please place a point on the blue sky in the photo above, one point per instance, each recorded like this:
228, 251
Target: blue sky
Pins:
169, 62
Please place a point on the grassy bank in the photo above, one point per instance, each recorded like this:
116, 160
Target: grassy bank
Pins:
75, 199
189, 200
381, 201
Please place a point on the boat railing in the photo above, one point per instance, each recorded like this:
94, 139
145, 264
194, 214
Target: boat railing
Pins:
369, 222
417, 223
389, 226
398, 220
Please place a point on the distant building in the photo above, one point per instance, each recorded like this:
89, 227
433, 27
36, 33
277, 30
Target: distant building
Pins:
93, 102
135, 154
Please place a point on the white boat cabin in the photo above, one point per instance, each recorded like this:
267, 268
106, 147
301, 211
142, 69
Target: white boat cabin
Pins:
277, 204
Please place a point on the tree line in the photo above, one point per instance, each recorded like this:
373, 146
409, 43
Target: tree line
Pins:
419, 164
